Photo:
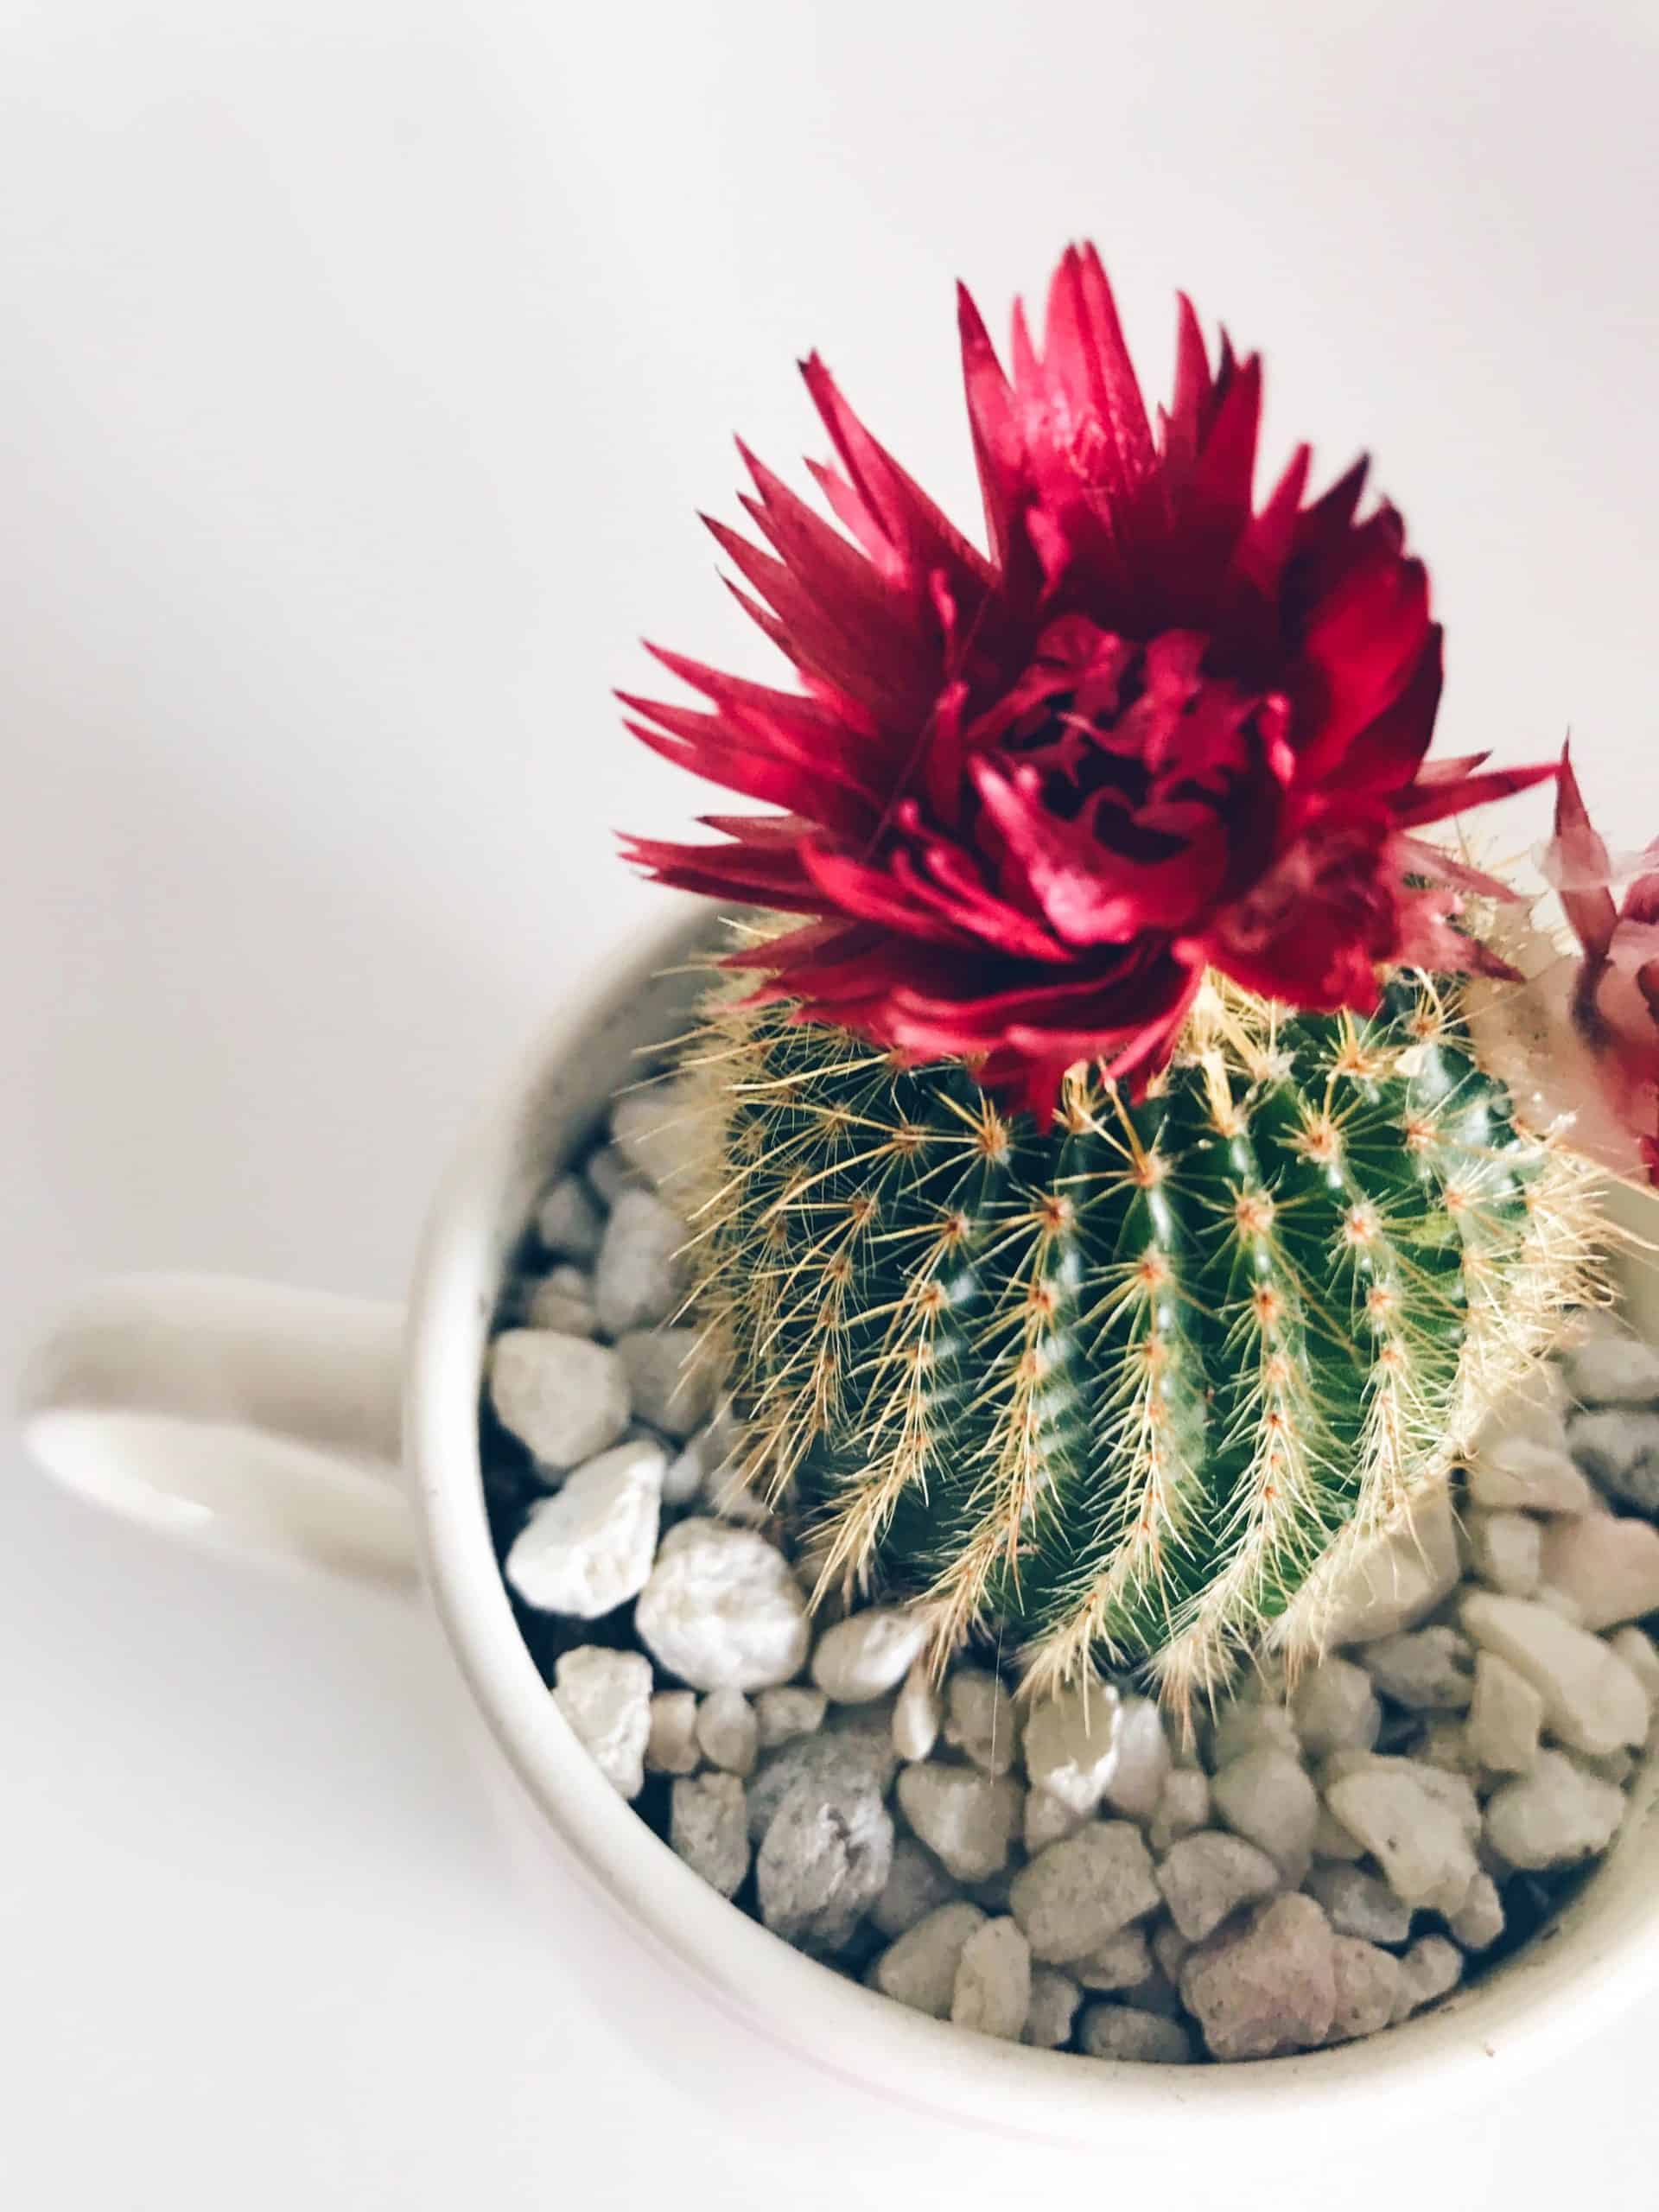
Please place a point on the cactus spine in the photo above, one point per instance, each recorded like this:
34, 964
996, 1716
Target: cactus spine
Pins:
1126, 1392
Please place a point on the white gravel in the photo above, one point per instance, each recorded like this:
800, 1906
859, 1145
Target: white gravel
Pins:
640, 1276
605, 1697
722, 1610
1592, 1700
864, 1657
563, 1398
588, 1549
1280, 1885
967, 1819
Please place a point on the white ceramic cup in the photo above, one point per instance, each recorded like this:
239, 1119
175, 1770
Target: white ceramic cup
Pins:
239, 1415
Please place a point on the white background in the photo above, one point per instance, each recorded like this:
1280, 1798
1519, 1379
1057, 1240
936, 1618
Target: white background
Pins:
360, 368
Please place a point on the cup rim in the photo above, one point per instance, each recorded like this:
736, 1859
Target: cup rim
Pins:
1598, 1959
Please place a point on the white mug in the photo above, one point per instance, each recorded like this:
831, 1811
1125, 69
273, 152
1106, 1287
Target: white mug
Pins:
338, 1432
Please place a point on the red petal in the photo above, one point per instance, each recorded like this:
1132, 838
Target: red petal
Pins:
1421, 803
1589, 909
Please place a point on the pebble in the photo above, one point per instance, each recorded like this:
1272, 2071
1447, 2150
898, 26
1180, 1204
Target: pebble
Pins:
729, 1731
1518, 1471
1169, 1950
605, 1697
1270, 1988
915, 1885
709, 1826
1245, 1725
1424, 1855
563, 1398
1080, 1892
1397, 1579
640, 1276
659, 1130
1143, 1763
867, 1655
1123, 2032
830, 1761
1592, 1700
1335, 1709
1122, 1962
823, 1863
1358, 1904
992, 1992
1611, 1369
588, 1549
1204, 1877
1267, 1797
563, 1302
1367, 1983
1480, 1922
608, 1174
920, 1969
1619, 1449
1505, 1716
722, 1610
1332, 1840
1428, 1670
917, 1714
671, 1747
670, 1385
967, 1819
781, 1714
1608, 1567
569, 1223
1554, 1815
1047, 1820
1071, 1746
1183, 1805
1637, 1650
1429, 1969
980, 1719
1053, 2007
1506, 1550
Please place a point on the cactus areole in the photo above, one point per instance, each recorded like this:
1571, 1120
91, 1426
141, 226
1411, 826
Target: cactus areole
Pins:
1109, 1223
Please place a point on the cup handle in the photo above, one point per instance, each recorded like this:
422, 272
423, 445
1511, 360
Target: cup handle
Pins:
238, 1415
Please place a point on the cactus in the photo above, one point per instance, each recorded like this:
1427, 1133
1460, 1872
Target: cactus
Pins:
1125, 1392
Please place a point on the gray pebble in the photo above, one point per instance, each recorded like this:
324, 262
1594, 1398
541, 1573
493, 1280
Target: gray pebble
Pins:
708, 1825
980, 1719
1428, 1970
1367, 1983
1123, 1962
1204, 1877
1267, 1797
608, 1174
792, 1710
920, 1969
568, 1221
1183, 1806
1122, 2032
563, 1301
992, 1992
1480, 1922
671, 1385
671, 1747
1054, 2001
831, 1764
822, 1864
1619, 1450
1335, 1709
915, 1885
640, 1274
1358, 1904
1270, 1987
729, 1731
1080, 1892
1611, 1368
1136, 1781
1428, 1670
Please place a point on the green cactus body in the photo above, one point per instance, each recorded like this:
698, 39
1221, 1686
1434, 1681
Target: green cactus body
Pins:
1126, 1392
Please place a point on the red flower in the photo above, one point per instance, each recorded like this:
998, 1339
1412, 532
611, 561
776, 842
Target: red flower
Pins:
1030, 797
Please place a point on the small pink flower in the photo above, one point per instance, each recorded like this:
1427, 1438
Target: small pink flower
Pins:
1612, 994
